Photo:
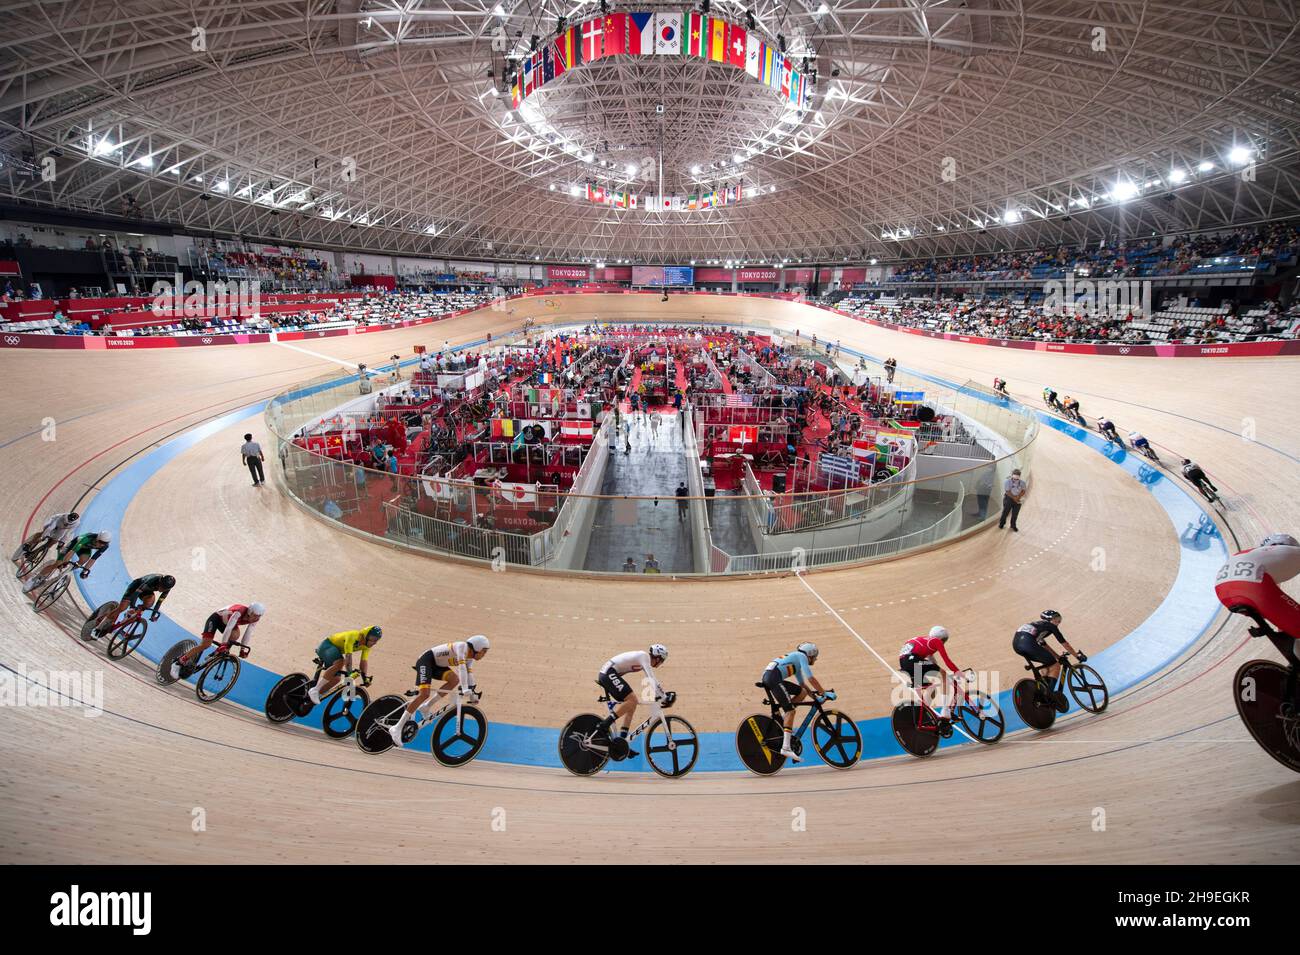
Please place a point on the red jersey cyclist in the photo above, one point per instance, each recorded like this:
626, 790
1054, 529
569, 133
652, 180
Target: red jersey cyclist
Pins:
1249, 580
453, 663
227, 621
916, 660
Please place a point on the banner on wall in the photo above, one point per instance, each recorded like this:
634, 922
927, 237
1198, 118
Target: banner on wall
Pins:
566, 272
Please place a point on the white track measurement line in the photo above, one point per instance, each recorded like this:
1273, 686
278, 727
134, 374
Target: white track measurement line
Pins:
316, 354
893, 672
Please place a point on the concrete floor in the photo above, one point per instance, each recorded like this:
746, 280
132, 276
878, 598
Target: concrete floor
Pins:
634, 528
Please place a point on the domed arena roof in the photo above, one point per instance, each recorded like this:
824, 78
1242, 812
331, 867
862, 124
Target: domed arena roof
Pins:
895, 128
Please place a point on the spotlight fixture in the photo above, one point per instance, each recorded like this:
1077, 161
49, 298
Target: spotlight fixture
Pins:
560, 24
780, 42
604, 6
704, 6
532, 43
750, 23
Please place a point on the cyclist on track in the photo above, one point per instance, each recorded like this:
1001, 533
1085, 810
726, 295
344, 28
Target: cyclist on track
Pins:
83, 550
147, 593
227, 620
453, 663
1193, 472
1107, 427
336, 652
1071, 406
776, 676
1049, 398
57, 529
916, 660
611, 678
1251, 579
1139, 441
1030, 643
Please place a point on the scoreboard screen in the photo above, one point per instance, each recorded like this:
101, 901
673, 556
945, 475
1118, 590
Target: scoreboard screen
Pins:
655, 276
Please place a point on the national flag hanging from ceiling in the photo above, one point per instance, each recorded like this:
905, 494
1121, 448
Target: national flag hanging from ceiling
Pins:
736, 41
786, 71
668, 33
573, 45
528, 76
593, 47
641, 34
548, 64
615, 33
717, 40
561, 55
697, 40
515, 91
753, 55
768, 66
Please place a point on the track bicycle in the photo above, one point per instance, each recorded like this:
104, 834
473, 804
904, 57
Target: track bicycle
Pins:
671, 745
918, 727
835, 737
1033, 698
1267, 695
218, 669
459, 727
124, 634
343, 704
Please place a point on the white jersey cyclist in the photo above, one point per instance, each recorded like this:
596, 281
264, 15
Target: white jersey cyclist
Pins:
1279, 561
613, 671
436, 662
60, 527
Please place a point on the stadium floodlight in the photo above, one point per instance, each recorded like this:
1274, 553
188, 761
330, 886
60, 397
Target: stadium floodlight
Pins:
1204, 166
1124, 190
1177, 175
1239, 156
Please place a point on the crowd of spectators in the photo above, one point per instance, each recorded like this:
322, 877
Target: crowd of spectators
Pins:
1247, 249
1191, 323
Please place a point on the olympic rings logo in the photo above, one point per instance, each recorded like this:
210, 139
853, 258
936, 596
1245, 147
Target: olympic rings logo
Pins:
12, 339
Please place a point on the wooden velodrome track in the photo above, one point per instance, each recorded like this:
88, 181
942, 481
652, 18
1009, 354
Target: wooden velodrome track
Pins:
1176, 774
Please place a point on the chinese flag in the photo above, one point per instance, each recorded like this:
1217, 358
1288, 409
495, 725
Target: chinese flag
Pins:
615, 34
736, 40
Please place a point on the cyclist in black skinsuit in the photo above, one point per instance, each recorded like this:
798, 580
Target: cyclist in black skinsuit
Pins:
1192, 471
147, 592
1030, 643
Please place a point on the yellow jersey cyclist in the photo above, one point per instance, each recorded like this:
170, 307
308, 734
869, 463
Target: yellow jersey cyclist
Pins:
612, 679
82, 551
453, 663
57, 529
147, 593
796, 665
336, 653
